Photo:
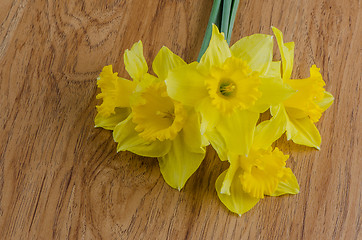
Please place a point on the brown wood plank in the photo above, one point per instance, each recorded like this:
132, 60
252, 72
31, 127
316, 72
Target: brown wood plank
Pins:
60, 178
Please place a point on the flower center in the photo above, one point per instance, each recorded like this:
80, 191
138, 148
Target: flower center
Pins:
227, 87
169, 115
233, 86
156, 115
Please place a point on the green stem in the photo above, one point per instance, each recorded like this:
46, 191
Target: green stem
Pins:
226, 9
234, 9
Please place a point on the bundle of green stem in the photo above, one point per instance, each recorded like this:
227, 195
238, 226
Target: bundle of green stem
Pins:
223, 16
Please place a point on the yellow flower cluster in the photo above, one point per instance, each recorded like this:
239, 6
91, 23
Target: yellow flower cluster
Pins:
216, 101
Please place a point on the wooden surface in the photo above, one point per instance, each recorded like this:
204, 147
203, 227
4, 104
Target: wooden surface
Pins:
60, 178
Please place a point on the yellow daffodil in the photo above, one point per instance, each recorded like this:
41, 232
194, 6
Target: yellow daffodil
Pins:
297, 114
116, 91
248, 179
230, 87
146, 121
115, 94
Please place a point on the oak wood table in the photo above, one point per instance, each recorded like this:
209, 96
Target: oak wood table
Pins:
61, 178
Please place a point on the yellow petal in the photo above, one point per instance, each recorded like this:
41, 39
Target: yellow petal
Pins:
286, 52
209, 114
303, 131
217, 52
165, 61
112, 120
326, 102
218, 143
191, 133
274, 91
289, 185
186, 84
234, 167
147, 81
295, 112
238, 131
238, 201
256, 50
269, 131
129, 140
274, 70
135, 62
179, 164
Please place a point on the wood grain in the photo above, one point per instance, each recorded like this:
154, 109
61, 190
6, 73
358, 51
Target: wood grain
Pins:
60, 178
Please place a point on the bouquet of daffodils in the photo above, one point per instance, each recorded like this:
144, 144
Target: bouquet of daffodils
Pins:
174, 115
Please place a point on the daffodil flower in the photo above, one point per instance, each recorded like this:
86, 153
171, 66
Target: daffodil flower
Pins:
297, 114
230, 87
250, 178
146, 121
115, 94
